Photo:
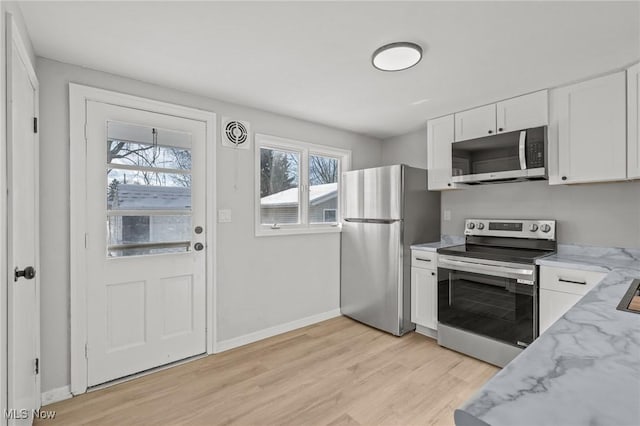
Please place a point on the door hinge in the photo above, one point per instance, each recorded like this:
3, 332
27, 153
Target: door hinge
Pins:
37, 366
35, 124
86, 240
86, 351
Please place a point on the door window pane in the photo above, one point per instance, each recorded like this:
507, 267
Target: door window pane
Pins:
148, 155
279, 186
148, 190
155, 234
142, 190
323, 189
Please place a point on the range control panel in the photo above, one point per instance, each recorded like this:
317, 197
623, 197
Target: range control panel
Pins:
539, 229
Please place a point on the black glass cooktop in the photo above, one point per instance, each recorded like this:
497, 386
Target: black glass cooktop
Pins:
502, 254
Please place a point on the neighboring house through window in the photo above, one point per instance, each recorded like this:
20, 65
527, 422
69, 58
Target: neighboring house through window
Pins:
297, 186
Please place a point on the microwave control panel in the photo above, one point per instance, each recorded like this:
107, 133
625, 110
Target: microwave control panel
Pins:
535, 154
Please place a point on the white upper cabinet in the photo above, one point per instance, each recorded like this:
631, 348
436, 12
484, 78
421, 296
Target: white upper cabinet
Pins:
476, 123
589, 131
633, 122
439, 139
523, 112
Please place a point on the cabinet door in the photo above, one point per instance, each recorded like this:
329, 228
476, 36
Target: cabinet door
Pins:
633, 122
523, 112
476, 123
424, 300
554, 304
439, 139
591, 130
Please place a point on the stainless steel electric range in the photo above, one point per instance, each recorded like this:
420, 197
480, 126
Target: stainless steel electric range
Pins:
488, 287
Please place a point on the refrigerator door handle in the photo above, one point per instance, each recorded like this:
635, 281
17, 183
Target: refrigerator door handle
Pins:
382, 221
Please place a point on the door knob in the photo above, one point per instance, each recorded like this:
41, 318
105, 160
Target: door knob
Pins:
198, 246
29, 273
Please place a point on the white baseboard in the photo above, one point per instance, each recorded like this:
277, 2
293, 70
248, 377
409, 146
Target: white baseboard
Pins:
56, 395
426, 331
225, 345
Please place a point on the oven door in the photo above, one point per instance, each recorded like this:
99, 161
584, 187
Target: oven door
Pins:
489, 298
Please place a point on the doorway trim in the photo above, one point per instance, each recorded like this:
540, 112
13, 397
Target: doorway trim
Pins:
79, 95
13, 38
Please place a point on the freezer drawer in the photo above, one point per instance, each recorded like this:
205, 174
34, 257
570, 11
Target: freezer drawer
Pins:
373, 193
372, 286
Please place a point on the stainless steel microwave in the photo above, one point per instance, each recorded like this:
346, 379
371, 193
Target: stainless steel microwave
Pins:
506, 157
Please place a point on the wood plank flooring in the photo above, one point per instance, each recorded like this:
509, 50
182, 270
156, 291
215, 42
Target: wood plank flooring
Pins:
338, 372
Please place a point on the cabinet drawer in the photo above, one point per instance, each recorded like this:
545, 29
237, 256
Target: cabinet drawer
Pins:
571, 281
423, 259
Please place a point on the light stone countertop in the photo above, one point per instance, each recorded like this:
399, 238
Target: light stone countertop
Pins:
445, 241
585, 369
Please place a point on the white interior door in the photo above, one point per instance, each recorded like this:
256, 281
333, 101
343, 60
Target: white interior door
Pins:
145, 215
23, 283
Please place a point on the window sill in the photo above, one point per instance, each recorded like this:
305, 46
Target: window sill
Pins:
268, 232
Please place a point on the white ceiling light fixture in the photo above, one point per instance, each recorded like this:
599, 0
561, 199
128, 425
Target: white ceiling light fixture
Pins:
396, 56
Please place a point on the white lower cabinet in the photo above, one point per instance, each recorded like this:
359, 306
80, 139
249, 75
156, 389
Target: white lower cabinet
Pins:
554, 304
560, 289
424, 293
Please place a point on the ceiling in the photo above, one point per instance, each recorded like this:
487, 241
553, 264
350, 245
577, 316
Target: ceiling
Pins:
312, 60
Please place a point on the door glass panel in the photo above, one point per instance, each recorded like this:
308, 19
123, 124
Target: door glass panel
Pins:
323, 189
135, 190
148, 155
148, 190
136, 235
279, 186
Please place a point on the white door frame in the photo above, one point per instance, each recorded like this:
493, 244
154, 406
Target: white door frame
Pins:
13, 38
78, 97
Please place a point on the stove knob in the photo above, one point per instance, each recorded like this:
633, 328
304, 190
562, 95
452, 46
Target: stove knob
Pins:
480, 225
471, 225
545, 228
533, 227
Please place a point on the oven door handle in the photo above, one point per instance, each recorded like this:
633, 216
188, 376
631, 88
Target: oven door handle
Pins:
500, 271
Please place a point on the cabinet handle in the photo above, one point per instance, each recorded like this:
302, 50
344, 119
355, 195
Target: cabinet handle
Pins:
424, 260
448, 184
490, 131
500, 129
433, 273
562, 280
564, 178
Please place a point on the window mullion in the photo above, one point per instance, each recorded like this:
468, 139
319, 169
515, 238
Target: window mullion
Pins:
304, 185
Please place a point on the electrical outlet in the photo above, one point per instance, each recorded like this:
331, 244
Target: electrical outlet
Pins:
447, 215
224, 216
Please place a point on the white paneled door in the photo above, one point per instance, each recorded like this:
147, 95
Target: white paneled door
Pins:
22, 215
145, 215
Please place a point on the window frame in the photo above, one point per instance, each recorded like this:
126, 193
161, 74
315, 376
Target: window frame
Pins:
305, 150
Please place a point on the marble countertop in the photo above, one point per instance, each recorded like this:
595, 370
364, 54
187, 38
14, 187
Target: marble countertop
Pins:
445, 241
585, 369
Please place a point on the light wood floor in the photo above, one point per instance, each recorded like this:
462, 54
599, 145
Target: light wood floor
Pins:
332, 373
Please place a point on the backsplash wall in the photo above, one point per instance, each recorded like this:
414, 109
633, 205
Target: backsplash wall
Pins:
606, 214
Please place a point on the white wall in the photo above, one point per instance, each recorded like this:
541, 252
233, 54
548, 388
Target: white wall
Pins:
262, 282
410, 149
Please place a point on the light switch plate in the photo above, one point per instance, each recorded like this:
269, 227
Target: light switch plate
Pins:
447, 215
224, 216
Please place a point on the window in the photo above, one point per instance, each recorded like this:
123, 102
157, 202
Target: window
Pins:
148, 186
297, 186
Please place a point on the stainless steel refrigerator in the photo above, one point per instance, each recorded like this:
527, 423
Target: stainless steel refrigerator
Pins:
385, 210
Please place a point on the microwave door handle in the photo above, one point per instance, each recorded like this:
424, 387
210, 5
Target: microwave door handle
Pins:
522, 150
